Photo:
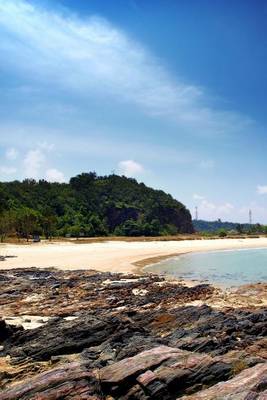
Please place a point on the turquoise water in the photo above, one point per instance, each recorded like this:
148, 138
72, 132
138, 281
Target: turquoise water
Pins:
227, 268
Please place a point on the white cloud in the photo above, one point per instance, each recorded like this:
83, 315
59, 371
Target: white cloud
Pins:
11, 154
33, 162
46, 146
79, 54
209, 210
130, 168
198, 197
262, 189
219, 208
8, 170
72, 143
212, 211
54, 175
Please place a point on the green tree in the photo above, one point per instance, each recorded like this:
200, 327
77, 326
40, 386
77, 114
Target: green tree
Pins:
6, 224
27, 222
222, 233
240, 228
97, 225
93, 205
48, 222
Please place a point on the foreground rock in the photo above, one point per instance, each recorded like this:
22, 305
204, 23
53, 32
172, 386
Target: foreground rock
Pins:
111, 336
72, 381
250, 384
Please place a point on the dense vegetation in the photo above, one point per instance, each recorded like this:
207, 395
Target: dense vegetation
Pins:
89, 206
221, 227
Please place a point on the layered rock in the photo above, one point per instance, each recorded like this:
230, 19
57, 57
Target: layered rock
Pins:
250, 384
111, 336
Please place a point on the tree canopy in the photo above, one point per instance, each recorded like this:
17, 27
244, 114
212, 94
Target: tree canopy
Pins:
90, 205
218, 227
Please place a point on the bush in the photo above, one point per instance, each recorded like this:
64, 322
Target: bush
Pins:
222, 233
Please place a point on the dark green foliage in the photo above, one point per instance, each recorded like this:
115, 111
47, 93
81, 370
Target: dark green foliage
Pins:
216, 227
27, 222
91, 206
222, 233
7, 222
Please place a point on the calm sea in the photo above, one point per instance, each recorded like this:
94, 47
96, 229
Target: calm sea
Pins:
227, 268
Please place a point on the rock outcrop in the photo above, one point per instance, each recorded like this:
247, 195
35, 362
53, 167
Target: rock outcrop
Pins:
250, 384
110, 336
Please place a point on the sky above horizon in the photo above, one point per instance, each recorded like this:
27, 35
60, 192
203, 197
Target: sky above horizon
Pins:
170, 92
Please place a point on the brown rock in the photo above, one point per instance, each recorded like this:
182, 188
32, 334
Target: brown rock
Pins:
251, 384
66, 382
118, 372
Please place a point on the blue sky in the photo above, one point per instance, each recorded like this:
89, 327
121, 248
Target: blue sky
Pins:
170, 92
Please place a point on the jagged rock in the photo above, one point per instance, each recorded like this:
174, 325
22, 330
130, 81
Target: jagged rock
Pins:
163, 372
251, 384
73, 381
120, 371
61, 337
6, 331
168, 342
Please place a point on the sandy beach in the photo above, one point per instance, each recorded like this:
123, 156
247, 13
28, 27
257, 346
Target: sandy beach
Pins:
113, 256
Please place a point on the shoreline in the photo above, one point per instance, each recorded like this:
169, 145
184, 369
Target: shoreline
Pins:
142, 266
119, 256
129, 321
113, 256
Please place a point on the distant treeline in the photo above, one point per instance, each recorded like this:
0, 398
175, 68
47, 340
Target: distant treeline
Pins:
89, 205
232, 227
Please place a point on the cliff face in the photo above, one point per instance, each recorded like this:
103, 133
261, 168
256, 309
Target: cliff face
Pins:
92, 206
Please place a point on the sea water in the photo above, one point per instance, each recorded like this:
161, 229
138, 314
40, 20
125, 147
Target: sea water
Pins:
226, 268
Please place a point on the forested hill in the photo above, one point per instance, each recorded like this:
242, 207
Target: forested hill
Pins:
214, 226
90, 205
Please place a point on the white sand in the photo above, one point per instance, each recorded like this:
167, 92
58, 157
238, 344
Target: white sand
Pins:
112, 256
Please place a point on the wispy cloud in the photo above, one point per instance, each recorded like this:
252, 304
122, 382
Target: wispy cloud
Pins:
91, 56
5, 170
101, 143
211, 211
44, 145
216, 210
11, 154
262, 189
198, 197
